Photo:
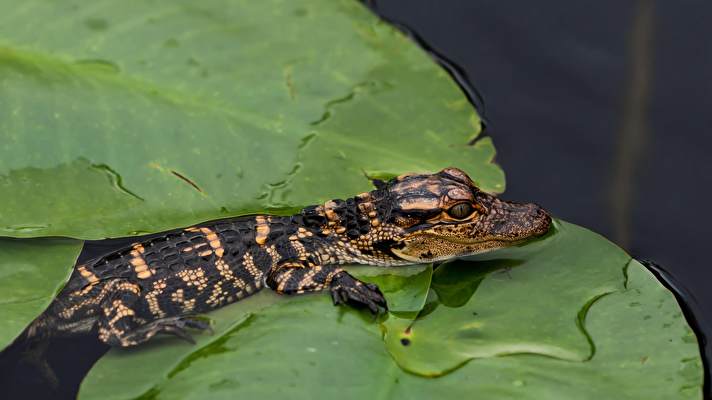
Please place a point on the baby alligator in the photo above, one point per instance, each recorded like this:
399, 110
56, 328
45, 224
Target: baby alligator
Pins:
160, 284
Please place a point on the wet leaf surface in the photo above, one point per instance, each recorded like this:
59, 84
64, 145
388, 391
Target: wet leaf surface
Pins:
226, 108
580, 328
406, 288
643, 350
530, 303
31, 272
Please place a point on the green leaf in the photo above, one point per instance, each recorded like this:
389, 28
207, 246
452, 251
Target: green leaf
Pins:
643, 350
580, 331
144, 117
31, 273
557, 278
406, 288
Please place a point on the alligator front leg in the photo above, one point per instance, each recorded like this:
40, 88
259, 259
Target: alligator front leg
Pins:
295, 277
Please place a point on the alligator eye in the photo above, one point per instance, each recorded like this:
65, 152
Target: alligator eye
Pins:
460, 210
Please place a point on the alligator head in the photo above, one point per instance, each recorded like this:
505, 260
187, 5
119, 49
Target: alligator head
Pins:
444, 215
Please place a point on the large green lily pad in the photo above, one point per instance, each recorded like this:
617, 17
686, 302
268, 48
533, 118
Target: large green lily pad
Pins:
142, 117
587, 322
31, 273
554, 280
130, 118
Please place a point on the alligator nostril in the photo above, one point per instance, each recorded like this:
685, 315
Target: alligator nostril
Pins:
540, 218
537, 212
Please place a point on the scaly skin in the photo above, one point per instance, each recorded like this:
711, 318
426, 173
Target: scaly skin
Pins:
160, 284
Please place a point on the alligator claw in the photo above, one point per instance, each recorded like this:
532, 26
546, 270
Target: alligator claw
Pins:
346, 289
177, 326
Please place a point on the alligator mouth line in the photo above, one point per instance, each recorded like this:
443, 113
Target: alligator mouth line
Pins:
488, 239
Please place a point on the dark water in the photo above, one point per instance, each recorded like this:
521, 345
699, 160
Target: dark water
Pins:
599, 110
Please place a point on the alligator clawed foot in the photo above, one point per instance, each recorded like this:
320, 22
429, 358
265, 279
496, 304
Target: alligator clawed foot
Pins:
177, 326
346, 289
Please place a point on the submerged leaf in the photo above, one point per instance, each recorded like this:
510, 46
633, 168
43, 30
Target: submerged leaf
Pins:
31, 273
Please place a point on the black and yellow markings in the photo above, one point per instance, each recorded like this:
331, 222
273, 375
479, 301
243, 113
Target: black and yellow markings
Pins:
307, 282
217, 296
104, 334
330, 276
284, 279
368, 209
303, 233
189, 305
194, 277
85, 302
299, 248
117, 311
330, 214
325, 256
152, 297
274, 255
69, 311
284, 274
88, 275
178, 297
261, 229
212, 240
221, 265
196, 247
200, 277
229, 276
118, 317
139, 264
296, 278
248, 264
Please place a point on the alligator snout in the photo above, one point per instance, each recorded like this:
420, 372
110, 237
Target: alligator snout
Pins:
540, 219
510, 220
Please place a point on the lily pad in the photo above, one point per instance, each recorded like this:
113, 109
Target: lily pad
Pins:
31, 272
137, 118
145, 117
555, 280
623, 334
160, 361
406, 288
643, 350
